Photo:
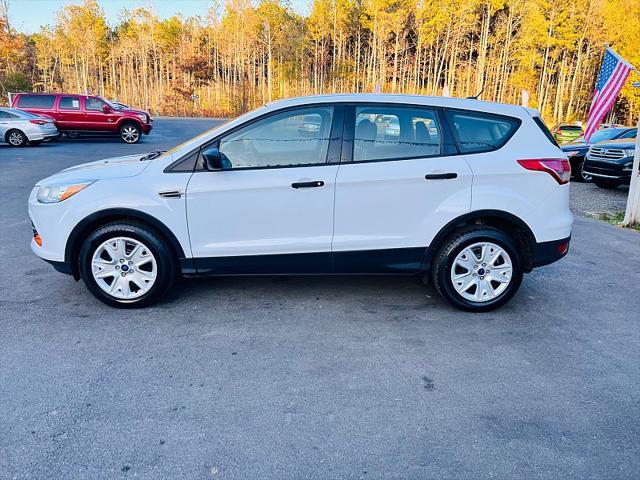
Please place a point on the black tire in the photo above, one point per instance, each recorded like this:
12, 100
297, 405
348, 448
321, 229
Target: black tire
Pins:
444, 259
159, 247
130, 133
607, 184
580, 175
15, 138
34, 143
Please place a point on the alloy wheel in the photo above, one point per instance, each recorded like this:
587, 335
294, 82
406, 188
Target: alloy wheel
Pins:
124, 268
16, 139
481, 272
130, 134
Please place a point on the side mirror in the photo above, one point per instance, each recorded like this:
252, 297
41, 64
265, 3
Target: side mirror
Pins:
106, 109
214, 160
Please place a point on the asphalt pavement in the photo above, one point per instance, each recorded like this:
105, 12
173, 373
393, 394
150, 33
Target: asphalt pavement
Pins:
313, 378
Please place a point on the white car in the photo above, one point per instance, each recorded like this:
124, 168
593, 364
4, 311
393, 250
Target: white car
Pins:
473, 201
17, 128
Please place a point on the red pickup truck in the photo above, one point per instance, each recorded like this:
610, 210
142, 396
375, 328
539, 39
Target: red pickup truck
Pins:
75, 114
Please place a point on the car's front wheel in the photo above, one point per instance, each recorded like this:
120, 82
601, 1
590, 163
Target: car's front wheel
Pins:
130, 133
581, 175
127, 265
607, 184
16, 138
478, 269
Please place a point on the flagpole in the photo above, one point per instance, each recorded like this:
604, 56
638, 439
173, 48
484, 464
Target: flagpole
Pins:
632, 214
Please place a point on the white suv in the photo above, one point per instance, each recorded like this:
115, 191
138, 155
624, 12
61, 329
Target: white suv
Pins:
472, 194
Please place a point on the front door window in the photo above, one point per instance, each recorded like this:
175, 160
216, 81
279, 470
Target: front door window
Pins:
292, 138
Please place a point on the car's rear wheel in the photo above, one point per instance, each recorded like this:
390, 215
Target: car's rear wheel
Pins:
478, 269
130, 133
16, 138
127, 265
607, 184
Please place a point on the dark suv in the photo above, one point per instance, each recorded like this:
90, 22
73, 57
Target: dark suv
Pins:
610, 163
577, 149
75, 114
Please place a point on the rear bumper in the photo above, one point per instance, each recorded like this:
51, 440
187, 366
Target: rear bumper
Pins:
545, 253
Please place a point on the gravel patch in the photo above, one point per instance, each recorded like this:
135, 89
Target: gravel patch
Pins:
586, 197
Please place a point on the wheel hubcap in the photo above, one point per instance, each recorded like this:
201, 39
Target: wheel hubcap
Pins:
124, 268
481, 272
15, 138
130, 134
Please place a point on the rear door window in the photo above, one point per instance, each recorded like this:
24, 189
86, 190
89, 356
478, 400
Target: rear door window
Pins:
395, 132
69, 103
477, 132
36, 101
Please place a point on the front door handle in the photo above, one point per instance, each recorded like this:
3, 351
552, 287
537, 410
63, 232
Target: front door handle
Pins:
314, 184
441, 176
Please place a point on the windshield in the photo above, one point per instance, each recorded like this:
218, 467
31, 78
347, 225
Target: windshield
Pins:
108, 103
195, 139
24, 114
601, 136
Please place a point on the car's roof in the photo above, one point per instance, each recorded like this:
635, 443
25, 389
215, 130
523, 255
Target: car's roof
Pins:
16, 111
450, 102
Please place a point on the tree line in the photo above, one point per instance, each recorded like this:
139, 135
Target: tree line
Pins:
243, 53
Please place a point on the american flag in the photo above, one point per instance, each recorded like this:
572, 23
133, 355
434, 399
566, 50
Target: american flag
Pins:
613, 73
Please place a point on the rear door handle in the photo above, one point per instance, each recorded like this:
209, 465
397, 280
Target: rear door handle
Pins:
314, 184
441, 176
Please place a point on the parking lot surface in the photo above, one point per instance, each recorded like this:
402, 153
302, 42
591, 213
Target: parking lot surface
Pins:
306, 377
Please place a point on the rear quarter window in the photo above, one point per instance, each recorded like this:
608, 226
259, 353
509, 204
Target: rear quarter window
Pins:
477, 132
36, 101
545, 130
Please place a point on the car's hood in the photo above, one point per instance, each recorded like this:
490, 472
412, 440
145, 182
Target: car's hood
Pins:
116, 167
624, 143
133, 111
572, 148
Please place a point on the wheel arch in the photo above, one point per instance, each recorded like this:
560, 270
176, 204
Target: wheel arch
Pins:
102, 217
127, 120
14, 129
509, 223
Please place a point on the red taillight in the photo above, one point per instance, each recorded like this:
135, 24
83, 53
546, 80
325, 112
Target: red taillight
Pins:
38, 122
563, 248
558, 168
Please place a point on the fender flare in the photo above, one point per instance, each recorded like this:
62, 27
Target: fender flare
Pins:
475, 217
114, 214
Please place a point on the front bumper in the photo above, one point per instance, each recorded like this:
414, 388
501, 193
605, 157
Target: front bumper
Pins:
146, 128
613, 170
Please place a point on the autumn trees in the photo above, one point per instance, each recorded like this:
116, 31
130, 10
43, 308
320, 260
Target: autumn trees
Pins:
245, 53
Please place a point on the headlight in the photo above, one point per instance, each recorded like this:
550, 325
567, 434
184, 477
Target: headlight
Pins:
630, 152
572, 153
142, 116
58, 192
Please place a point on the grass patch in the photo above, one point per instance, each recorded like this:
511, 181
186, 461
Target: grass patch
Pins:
616, 218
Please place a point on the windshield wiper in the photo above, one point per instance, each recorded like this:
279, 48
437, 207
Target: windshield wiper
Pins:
152, 155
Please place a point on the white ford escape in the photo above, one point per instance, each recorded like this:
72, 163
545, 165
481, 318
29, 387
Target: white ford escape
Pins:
473, 194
